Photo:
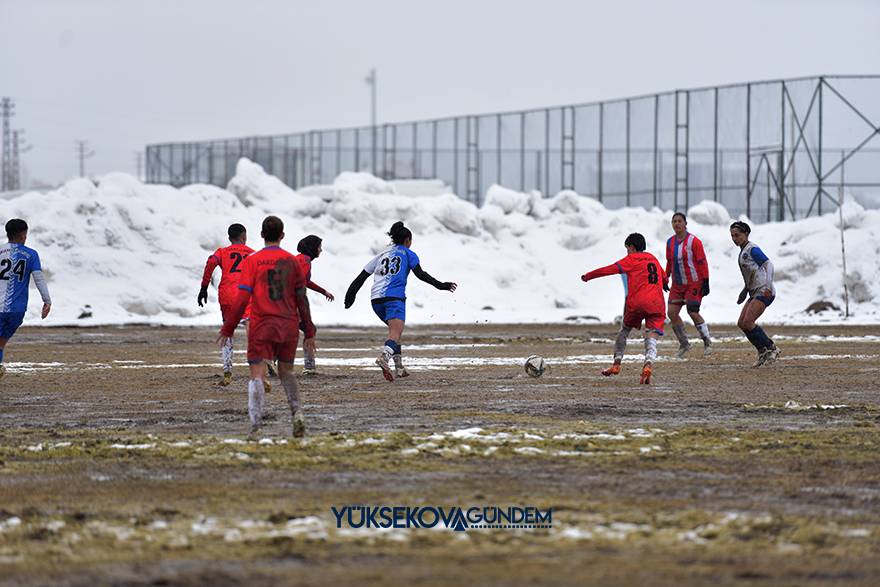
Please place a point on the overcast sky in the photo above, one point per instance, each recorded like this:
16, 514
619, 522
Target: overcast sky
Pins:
125, 73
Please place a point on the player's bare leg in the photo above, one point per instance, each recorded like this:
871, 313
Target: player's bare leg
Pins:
256, 394
288, 381
650, 357
392, 347
673, 310
226, 354
619, 349
703, 329
767, 350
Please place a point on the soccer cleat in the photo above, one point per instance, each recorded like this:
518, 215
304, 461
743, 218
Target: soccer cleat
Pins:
386, 370
707, 348
299, 425
227, 379
612, 370
645, 379
762, 358
2, 370
771, 355
267, 387
254, 434
307, 372
270, 368
682, 350
401, 371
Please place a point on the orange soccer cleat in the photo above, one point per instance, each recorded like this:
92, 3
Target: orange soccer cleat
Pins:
612, 370
645, 379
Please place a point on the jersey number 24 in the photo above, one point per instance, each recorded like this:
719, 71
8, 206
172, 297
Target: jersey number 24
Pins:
18, 270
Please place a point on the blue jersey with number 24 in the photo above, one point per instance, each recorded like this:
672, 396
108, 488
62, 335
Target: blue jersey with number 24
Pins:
17, 262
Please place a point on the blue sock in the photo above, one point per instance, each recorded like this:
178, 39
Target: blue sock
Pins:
1, 355
393, 346
762, 336
750, 334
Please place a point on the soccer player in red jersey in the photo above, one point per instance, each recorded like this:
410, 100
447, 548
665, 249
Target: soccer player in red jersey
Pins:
309, 249
272, 282
687, 266
229, 259
644, 301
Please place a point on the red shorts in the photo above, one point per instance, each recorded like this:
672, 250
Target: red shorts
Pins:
269, 340
690, 295
226, 309
653, 321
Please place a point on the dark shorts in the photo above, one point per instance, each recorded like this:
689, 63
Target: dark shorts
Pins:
271, 341
634, 318
9, 323
390, 309
681, 294
765, 300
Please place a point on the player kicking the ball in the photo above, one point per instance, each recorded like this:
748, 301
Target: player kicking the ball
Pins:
309, 249
757, 272
687, 266
390, 269
272, 282
644, 301
18, 264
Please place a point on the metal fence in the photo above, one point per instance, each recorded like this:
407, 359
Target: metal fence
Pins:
770, 149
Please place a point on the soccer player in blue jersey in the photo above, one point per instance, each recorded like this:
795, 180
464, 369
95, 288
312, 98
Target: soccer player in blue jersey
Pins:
17, 264
390, 269
757, 272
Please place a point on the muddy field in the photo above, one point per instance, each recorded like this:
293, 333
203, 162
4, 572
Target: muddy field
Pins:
123, 462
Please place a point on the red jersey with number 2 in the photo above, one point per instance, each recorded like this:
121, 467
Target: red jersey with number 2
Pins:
230, 261
272, 275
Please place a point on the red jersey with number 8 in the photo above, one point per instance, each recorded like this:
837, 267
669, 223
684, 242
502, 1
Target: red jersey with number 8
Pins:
272, 275
644, 283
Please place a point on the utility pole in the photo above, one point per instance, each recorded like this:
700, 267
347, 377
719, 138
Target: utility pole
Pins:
139, 164
18, 147
372, 82
83, 152
7, 106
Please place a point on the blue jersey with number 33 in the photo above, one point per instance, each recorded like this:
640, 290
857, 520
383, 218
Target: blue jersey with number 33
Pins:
17, 262
390, 268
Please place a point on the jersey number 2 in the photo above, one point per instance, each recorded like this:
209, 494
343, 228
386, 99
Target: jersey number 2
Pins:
236, 260
6, 265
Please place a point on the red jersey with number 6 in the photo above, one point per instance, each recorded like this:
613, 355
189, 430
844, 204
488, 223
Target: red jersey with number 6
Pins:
643, 283
272, 276
230, 261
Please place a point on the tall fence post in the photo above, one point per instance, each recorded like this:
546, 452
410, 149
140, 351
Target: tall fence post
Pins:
601, 146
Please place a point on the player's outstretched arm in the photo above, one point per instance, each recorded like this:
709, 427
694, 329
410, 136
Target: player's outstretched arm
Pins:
426, 277
315, 287
612, 269
354, 287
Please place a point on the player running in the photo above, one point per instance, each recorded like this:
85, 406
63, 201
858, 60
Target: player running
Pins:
309, 249
229, 260
272, 281
757, 272
644, 301
687, 266
17, 264
390, 270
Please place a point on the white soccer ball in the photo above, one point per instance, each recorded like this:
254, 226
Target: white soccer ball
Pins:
535, 366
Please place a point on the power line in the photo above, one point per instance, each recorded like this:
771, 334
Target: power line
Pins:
83, 152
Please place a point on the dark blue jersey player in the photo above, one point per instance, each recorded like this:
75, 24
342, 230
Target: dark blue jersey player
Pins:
17, 264
390, 269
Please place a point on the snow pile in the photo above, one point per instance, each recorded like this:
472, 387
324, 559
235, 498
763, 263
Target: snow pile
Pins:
135, 252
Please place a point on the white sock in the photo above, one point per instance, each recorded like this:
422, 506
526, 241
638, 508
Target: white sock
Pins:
226, 352
704, 330
308, 359
388, 352
256, 392
680, 334
650, 349
290, 388
398, 361
620, 343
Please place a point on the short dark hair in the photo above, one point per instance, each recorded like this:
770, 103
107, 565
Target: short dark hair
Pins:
273, 228
235, 231
741, 226
683, 217
399, 233
309, 245
15, 227
635, 240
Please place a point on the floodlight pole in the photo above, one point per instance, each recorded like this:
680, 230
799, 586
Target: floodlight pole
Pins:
843, 250
371, 81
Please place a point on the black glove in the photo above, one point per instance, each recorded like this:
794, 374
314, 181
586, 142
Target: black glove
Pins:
203, 296
742, 296
665, 286
706, 286
448, 286
349, 300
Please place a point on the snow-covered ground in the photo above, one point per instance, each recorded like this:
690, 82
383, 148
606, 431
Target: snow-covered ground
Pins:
135, 252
